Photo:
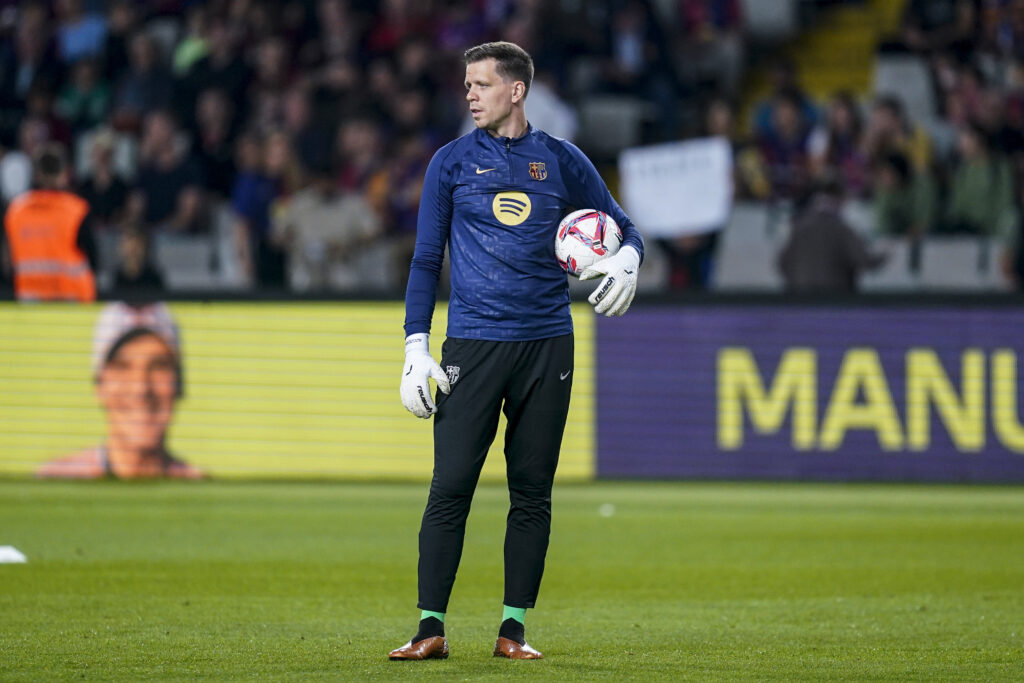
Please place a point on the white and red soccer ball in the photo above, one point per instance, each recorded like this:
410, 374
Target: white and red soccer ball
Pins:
584, 238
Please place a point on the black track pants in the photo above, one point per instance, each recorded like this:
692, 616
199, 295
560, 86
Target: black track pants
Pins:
531, 382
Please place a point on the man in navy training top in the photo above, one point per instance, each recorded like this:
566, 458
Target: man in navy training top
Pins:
495, 197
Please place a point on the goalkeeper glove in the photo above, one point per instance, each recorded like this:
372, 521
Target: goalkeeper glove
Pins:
616, 291
419, 367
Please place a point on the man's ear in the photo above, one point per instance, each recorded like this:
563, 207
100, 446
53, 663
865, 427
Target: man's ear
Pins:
518, 91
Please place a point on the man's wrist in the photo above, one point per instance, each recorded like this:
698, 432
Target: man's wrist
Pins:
630, 252
418, 343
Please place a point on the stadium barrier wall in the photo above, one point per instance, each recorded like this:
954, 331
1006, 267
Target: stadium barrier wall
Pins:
848, 391
271, 389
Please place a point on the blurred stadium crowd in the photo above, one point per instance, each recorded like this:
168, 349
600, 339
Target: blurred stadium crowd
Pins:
246, 143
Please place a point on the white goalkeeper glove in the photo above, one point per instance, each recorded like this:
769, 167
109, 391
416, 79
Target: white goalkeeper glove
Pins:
419, 367
616, 291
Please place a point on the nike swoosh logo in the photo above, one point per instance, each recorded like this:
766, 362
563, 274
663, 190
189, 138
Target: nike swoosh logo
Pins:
563, 375
628, 272
410, 371
485, 170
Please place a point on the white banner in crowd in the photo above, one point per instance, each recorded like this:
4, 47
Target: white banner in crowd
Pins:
678, 188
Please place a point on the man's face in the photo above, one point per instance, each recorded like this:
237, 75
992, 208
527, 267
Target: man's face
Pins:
489, 95
137, 387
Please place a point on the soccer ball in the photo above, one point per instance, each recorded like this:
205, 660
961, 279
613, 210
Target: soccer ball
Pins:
584, 238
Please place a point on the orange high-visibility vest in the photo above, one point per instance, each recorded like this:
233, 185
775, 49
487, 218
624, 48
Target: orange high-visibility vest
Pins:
42, 231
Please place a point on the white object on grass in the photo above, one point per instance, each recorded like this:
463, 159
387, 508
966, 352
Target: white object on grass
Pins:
11, 555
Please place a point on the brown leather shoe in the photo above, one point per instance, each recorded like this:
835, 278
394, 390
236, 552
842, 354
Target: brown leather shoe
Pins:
513, 650
428, 648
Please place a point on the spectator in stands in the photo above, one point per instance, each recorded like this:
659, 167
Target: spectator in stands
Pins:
309, 136
691, 257
222, 67
712, 41
103, 188
145, 86
324, 232
889, 130
135, 272
785, 150
337, 87
993, 118
394, 194
195, 44
49, 235
214, 136
169, 186
84, 101
823, 253
939, 25
836, 145
252, 198
981, 199
122, 24
360, 141
338, 32
380, 83
750, 174
970, 89
16, 164
282, 165
394, 22
997, 38
785, 83
80, 34
414, 65
40, 103
906, 201
638, 62
27, 61
265, 97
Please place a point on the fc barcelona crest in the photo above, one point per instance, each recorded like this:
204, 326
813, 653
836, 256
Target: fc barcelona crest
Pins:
538, 171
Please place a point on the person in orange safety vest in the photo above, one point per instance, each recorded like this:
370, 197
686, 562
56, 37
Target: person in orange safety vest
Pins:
49, 239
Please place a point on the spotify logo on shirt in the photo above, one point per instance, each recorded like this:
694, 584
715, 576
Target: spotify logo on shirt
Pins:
511, 208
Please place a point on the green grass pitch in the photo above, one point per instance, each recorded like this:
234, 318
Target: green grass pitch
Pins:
682, 581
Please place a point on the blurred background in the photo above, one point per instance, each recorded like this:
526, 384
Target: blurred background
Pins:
842, 178
215, 139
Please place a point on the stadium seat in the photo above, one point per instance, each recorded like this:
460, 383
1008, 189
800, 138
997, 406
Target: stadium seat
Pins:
231, 274
748, 222
859, 215
895, 275
186, 261
747, 266
770, 21
610, 123
993, 277
106, 257
907, 78
958, 263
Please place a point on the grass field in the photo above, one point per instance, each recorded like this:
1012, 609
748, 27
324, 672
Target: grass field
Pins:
223, 581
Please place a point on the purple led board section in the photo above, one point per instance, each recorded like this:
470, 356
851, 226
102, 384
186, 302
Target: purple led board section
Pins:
808, 392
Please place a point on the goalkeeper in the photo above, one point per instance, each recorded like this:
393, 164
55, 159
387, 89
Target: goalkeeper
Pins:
494, 198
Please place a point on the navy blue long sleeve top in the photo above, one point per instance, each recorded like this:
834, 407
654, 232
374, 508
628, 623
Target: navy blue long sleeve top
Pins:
496, 203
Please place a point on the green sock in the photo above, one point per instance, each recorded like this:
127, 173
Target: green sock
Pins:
437, 615
517, 613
